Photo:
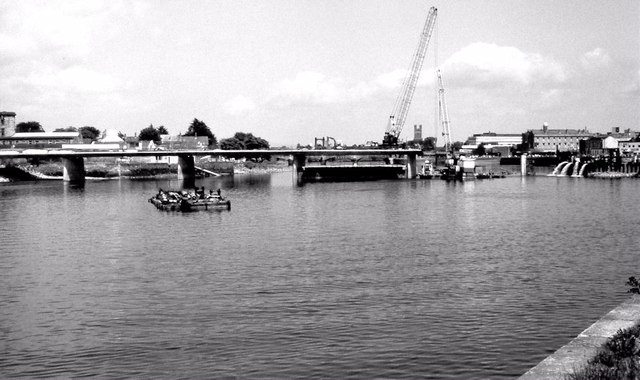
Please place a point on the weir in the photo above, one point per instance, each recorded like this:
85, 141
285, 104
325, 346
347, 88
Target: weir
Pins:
565, 170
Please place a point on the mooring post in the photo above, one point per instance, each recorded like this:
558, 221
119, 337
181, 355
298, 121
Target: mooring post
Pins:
523, 164
73, 169
298, 167
411, 165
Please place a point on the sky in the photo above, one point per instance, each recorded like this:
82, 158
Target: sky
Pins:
292, 70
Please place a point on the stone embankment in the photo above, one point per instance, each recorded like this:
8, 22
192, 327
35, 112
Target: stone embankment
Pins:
576, 354
613, 175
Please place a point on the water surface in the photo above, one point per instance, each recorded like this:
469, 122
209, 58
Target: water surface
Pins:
385, 279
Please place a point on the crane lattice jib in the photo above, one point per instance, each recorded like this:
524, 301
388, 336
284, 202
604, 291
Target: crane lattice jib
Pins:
401, 107
444, 115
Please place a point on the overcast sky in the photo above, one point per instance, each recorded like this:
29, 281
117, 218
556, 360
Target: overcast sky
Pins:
292, 70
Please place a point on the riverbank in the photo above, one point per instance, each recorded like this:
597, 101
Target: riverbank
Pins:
575, 356
108, 169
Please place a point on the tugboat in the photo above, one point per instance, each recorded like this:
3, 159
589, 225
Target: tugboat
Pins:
180, 200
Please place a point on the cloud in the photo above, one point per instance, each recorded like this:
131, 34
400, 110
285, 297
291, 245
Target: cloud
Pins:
310, 87
47, 50
56, 31
313, 88
598, 58
239, 105
484, 64
74, 80
392, 79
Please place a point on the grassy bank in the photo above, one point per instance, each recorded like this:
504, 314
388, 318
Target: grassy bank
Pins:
618, 359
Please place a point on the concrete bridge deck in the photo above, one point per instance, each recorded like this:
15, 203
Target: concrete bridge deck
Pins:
73, 160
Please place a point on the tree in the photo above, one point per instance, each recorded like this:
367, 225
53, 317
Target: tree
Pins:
90, 133
429, 143
67, 129
244, 141
150, 133
29, 126
456, 145
481, 150
199, 128
162, 130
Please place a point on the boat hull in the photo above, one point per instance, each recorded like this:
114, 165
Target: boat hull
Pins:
185, 205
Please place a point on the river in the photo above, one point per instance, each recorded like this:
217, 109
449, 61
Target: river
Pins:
387, 279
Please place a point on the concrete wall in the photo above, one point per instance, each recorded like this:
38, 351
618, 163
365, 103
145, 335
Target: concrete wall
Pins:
585, 346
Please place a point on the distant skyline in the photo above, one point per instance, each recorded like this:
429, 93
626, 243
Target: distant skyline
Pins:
292, 70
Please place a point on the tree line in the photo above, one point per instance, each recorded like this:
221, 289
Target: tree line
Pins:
239, 141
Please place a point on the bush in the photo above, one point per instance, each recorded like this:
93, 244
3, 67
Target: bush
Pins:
619, 358
54, 170
634, 284
147, 170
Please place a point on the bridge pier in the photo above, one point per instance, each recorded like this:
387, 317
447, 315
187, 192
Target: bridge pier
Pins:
411, 166
73, 169
186, 167
187, 170
299, 161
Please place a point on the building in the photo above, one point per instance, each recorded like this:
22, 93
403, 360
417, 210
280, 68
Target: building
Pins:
39, 140
184, 142
10, 139
591, 146
496, 143
7, 124
559, 140
630, 147
417, 132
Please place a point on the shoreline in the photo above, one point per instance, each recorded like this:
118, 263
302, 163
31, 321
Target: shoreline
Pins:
238, 170
576, 354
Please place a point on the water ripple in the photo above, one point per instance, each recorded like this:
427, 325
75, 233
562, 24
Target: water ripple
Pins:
348, 280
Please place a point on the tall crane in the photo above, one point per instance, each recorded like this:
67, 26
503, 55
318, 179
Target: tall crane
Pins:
443, 115
401, 107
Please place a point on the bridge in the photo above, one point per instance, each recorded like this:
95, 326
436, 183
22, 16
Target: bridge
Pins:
74, 171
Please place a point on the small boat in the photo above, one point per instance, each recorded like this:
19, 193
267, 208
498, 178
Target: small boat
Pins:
183, 201
491, 174
187, 205
426, 171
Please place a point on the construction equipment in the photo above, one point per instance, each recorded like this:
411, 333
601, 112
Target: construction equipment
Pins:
401, 107
325, 143
443, 115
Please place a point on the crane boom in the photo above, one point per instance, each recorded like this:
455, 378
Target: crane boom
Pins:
401, 107
443, 115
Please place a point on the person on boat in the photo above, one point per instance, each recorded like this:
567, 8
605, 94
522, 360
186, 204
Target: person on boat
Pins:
214, 195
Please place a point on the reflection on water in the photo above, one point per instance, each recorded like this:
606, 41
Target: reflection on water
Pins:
391, 279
